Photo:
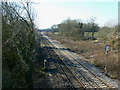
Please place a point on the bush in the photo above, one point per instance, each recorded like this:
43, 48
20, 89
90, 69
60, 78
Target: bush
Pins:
19, 46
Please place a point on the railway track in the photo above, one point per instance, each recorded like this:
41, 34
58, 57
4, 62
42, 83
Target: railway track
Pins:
61, 71
77, 77
102, 82
72, 79
85, 80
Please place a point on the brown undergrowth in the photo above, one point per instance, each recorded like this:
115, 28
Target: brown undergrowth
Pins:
93, 52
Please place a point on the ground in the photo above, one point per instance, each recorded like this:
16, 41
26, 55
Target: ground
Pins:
92, 51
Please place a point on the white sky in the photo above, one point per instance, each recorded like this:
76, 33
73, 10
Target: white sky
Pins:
50, 12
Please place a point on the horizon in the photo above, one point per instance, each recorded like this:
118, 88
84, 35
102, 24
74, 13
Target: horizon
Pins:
51, 13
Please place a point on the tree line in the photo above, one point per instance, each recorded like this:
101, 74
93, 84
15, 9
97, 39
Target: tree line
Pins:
77, 29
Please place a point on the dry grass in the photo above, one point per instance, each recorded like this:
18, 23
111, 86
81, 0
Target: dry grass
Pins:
93, 52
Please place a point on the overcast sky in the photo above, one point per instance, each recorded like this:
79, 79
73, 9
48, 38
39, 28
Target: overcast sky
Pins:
50, 12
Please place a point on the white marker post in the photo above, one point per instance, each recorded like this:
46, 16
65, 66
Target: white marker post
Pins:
45, 63
106, 49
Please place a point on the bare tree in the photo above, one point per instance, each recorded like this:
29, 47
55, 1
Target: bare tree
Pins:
19, 46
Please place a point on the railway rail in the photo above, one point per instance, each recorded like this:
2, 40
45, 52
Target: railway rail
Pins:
63, 74
64, 70
86, 83
85, 80
86, 69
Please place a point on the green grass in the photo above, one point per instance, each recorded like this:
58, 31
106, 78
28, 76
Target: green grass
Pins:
96, 34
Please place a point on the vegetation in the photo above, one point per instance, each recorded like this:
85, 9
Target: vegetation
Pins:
19, 45
109, 36
77, 29
89, 40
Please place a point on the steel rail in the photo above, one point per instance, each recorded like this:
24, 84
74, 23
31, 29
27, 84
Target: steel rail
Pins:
82, 72
90, 72
65, 74
67, 67
86, 69
63, 71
